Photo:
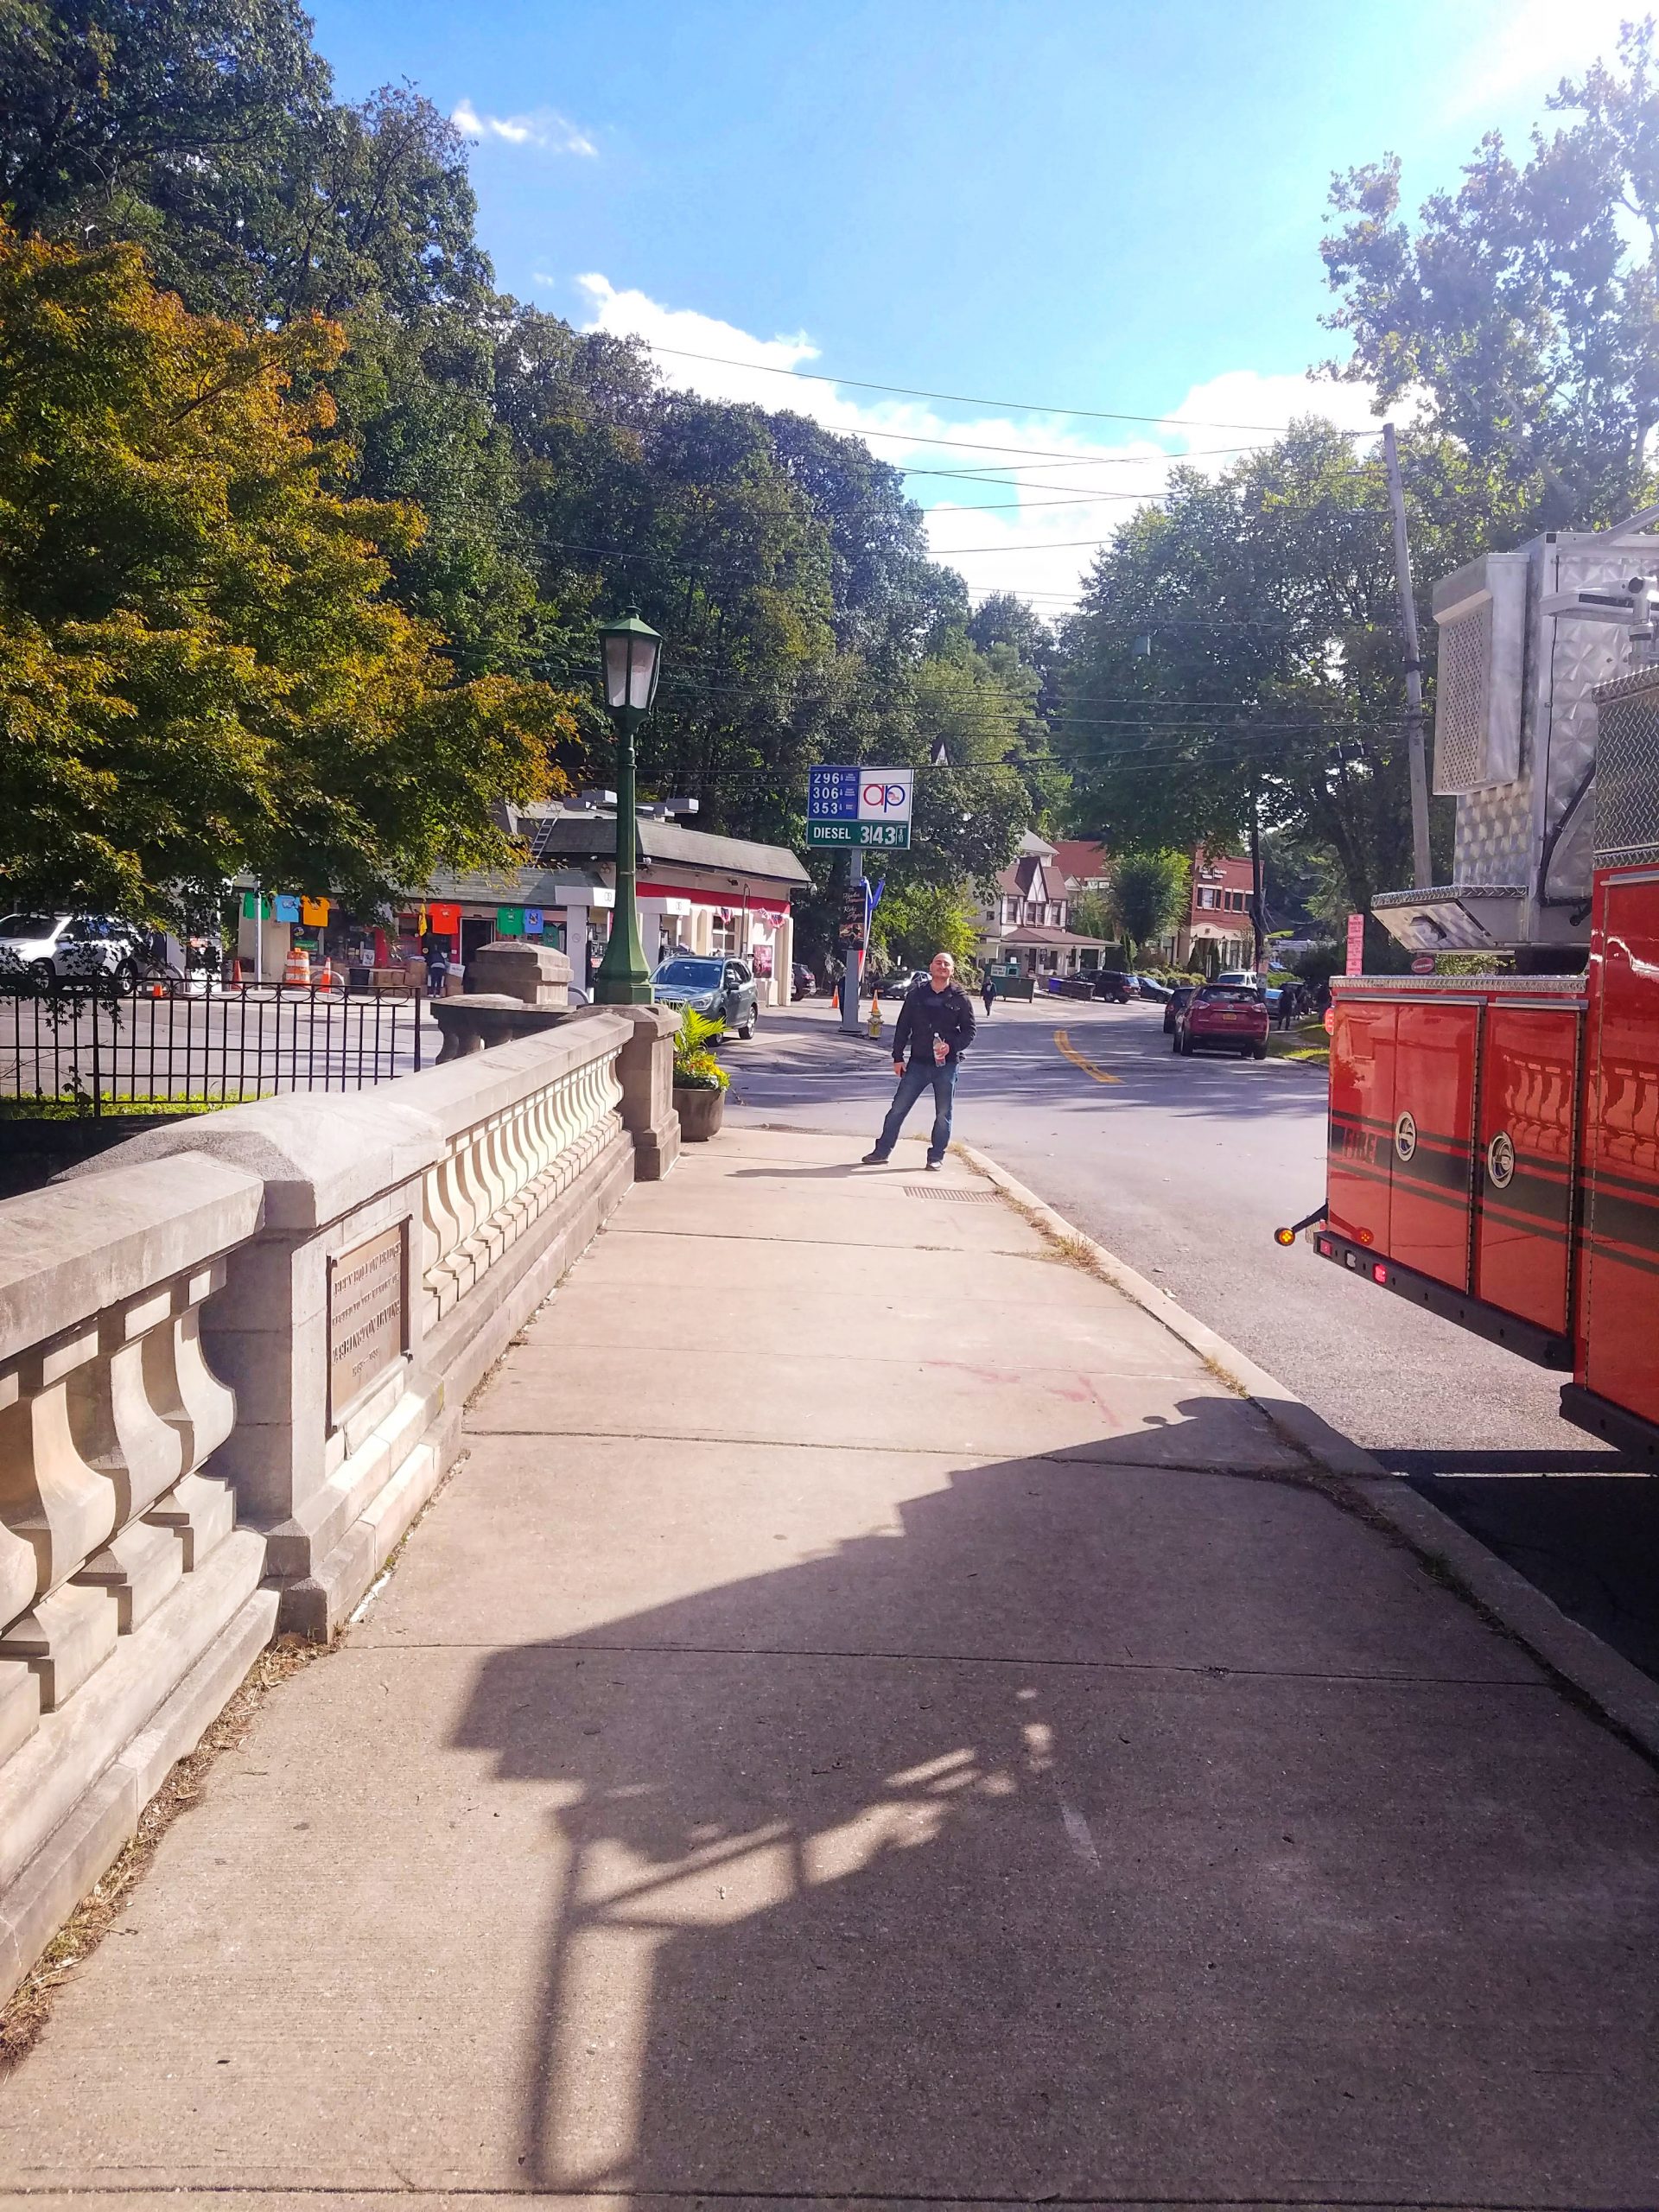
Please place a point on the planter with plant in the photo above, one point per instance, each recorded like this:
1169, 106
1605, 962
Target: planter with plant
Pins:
700, 1082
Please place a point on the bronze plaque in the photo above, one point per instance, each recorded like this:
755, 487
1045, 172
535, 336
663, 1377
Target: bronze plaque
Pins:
368, 1328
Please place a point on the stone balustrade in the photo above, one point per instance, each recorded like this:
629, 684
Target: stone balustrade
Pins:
232, 1358
498, 1176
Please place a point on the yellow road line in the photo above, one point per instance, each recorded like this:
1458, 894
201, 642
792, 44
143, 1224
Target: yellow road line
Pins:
1072, 1054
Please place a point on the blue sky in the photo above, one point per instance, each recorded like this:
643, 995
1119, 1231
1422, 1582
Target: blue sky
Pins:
1072, 206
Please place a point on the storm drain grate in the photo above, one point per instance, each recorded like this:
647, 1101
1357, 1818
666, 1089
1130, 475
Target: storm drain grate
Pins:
950, 1190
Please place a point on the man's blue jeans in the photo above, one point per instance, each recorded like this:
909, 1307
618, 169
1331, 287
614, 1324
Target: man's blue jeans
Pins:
921, 1076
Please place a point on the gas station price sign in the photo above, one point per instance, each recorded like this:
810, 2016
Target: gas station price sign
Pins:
894, 837
859, 807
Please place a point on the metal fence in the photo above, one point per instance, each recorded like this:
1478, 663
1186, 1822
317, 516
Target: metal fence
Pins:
103, 1050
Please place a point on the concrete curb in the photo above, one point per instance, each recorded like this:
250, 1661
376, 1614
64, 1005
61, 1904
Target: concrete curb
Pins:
1620, 1693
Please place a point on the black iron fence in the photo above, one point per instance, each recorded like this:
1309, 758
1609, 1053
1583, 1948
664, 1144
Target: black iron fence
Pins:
104, 1051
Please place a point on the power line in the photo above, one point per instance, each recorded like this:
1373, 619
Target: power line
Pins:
1089, 491
1035, 545
1037, 455
991, 695
968, 399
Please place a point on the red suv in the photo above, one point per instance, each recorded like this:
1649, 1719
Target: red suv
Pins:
1232, 1017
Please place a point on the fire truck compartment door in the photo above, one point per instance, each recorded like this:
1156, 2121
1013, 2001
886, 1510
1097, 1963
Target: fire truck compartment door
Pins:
1432, 1151
1359, 1145
1523, 1164
1621, 1244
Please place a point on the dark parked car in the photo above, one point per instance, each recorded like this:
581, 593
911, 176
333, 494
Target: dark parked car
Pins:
1178, 995
802, 981
1112, 985
1224, 1017
1150, 988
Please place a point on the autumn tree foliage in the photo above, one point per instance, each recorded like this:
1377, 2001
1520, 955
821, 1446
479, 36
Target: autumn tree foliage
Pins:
203, 668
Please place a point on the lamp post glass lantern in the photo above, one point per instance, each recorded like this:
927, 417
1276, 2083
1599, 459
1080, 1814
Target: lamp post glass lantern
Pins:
629, 655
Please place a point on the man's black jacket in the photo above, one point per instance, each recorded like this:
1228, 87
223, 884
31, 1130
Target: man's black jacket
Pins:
928, 1013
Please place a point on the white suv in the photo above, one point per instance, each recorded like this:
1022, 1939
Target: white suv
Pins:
49, 949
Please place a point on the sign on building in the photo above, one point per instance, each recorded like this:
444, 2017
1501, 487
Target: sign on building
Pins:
1356, 945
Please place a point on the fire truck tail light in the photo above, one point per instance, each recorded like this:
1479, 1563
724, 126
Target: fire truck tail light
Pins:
1325, 1249
1379, 1274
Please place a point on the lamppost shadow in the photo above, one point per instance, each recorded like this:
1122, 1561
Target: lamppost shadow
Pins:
969, 1859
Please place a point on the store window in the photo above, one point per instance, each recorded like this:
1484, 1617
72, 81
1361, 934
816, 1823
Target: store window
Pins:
1207, 895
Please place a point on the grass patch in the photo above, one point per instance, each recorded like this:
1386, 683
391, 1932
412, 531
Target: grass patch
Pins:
70, 1106
1307, 1043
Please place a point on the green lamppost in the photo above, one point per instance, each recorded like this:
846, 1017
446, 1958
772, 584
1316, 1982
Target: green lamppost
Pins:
628, 653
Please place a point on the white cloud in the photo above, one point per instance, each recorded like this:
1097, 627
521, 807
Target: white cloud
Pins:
542, 126
1015, 503
1507, 49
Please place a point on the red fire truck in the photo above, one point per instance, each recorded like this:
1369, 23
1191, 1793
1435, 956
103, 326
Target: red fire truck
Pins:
1494, 1138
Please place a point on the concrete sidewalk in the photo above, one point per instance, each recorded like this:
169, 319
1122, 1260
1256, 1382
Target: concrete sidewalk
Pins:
978, 1769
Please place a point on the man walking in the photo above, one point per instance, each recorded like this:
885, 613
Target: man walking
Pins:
937, 1024
988, 992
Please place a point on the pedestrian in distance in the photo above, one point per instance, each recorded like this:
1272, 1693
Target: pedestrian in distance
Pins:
988, 992
434, 951
936, 1026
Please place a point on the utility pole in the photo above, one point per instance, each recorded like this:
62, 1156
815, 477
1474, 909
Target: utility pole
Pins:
1258, 895
853, 969
1421, 869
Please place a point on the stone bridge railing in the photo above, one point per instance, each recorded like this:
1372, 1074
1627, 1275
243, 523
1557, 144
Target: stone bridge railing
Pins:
233, 1356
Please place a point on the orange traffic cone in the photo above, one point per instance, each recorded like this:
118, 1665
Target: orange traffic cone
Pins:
326, 976
297, 967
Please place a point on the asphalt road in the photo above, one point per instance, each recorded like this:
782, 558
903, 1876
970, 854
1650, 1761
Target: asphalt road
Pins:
1184, 1167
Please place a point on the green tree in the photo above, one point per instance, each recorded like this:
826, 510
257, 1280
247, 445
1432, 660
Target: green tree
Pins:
915, 921
201, 670
1148, 896
106, 101
1523, 303
417, 424
203, 130
1092, 914
1236, 652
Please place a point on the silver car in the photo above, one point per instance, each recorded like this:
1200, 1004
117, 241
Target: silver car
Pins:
711, 984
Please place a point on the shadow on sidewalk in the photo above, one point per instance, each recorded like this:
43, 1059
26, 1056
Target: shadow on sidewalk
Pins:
1064, 1837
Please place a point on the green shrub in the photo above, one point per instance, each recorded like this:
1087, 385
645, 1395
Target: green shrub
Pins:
696, 1067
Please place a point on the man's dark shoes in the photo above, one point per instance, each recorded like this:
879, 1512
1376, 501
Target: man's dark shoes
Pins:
873, 1160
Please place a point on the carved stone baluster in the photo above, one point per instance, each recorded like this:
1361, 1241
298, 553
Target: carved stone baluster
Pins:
56, 1508
568, 1109
467, 1255
547, 1141
537, 1148
50, 1495
492, 1230
450, 1213
182, 1386
136, 1428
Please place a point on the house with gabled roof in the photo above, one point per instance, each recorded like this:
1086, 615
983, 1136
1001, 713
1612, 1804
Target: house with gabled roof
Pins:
1025, 922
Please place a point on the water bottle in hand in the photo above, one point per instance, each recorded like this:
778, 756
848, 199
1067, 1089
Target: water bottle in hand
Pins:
941, 1052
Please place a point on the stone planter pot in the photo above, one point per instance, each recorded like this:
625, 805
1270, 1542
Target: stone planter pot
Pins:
700, 1112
